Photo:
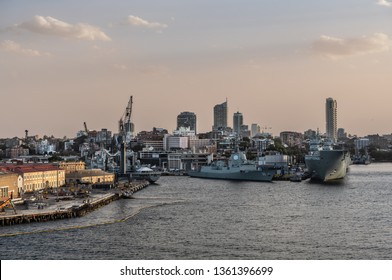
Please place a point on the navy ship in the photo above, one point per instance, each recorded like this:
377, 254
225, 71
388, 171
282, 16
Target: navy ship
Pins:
325, 163
236, 168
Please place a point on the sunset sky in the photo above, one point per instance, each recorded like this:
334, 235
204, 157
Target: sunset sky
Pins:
63, 63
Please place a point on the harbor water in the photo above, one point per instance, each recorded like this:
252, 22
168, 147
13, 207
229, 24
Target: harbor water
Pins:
191, 218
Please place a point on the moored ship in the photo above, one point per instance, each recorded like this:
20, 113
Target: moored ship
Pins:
145, 173
236, 168
326, 163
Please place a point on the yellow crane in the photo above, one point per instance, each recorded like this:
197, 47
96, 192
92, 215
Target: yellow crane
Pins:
7, 203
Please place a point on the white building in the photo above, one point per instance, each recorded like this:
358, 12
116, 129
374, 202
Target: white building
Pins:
184, 131
44, 147
275, 159
171, 142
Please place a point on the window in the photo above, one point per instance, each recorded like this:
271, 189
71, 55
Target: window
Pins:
3, 191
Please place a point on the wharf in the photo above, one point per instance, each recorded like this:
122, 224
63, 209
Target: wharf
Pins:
56, 209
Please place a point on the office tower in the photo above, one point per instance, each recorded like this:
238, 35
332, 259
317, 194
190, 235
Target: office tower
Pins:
187, 119
220, 116
341, 133
331, 118
238, 121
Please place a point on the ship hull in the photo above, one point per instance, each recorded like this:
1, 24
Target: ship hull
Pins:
255, 175
151, 177
328, 165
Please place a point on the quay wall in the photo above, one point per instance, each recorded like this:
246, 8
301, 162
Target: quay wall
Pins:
71, 212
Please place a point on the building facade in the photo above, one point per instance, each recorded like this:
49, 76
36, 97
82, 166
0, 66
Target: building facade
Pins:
72, 166
331, 109
171, 142
187, 119
37, 177
90, 176
238, 121
220, 116
8, 185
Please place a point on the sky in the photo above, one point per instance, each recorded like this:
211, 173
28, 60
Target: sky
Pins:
63, 63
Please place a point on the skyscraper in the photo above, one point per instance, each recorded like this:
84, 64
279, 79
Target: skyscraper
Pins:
187, 119
238, 121
220, 116
331, 118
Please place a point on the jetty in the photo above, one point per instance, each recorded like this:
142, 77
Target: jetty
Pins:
64, 208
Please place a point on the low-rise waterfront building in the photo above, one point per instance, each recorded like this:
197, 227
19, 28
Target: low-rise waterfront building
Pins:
89, 176
35, 177
185, 161
71, 166
8, 185
274, 158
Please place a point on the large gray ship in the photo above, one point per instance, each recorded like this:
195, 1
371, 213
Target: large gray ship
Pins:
236, 168
326, 163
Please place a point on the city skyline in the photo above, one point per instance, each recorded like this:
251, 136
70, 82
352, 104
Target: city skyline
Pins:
65, 63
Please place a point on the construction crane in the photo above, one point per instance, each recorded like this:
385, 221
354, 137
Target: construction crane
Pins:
125, 129
125, 126
85, 128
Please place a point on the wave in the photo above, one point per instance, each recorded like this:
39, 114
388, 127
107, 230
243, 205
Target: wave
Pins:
138, 210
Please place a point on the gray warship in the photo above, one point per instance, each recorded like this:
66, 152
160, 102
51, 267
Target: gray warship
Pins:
236, 168
326, 163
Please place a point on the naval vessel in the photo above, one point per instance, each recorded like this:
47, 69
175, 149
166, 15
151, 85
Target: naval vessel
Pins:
326, 163
237, 167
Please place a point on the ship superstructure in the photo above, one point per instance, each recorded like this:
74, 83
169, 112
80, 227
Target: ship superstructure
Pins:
237, 167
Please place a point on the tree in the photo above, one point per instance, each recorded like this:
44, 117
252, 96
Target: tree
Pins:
278, 146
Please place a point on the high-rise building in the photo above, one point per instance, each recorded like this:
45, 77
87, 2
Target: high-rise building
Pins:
238, 121
187, 119
220, 116
331, 118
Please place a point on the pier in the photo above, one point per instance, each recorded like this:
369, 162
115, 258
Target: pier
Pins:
70, 208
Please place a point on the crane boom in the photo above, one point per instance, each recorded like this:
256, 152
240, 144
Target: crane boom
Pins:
85, 127
125, 124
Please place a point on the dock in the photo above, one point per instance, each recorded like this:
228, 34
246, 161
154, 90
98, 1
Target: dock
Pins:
69, 208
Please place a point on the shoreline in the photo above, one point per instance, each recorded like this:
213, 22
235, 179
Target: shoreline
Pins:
72, 207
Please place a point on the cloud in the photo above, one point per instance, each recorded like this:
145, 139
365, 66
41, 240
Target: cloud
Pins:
385, 3
336, 48
55, 27
11, 46
137, 21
